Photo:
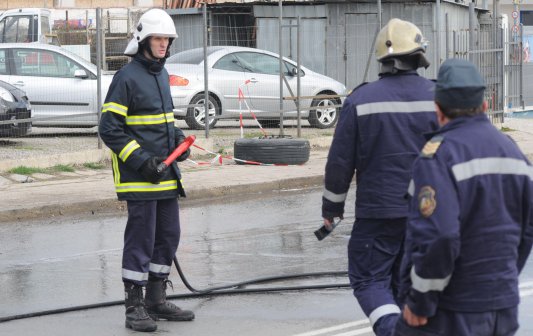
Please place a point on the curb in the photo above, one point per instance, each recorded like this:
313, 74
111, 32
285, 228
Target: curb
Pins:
113, 206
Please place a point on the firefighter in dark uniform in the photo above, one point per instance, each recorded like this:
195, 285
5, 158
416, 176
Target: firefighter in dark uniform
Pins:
137, 124
470, 225
379, 135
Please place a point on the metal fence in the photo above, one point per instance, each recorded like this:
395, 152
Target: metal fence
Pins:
345, 54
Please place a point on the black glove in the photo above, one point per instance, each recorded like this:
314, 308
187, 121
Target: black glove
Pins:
185, 154
149, 169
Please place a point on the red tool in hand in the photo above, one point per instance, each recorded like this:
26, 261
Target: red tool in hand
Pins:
182, 148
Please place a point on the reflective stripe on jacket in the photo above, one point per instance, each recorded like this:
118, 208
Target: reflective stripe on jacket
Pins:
138, 123
379, 135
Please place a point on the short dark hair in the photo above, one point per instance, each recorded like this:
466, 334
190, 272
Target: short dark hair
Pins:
452, 113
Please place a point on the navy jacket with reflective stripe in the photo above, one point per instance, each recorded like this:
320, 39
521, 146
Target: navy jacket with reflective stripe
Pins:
138, 123
379, 135
477, 229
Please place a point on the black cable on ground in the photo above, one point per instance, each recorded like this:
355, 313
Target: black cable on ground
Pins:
231, 289
258, 280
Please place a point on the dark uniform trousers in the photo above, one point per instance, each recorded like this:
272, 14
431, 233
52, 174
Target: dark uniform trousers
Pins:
375, 251
151, 239
449, 323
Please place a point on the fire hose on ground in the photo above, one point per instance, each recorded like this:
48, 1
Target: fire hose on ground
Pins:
230, 289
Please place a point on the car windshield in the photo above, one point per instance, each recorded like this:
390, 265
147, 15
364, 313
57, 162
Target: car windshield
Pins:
193, 56
82, 61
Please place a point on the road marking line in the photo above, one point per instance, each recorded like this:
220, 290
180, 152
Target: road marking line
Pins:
334, 328
525, 284
525, 293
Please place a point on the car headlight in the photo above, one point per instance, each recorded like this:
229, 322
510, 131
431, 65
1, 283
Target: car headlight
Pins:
6, 95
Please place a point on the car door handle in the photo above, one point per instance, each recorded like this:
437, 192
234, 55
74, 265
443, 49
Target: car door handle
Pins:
19, 83
253, 80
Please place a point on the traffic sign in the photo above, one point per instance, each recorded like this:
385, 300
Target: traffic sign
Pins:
515, 14
515, 29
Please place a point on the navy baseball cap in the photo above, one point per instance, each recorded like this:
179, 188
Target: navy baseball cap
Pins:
459, 85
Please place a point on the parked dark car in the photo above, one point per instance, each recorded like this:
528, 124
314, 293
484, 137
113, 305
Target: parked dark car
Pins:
14, 105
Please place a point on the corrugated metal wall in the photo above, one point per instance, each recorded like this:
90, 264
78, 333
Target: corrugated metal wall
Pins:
337, 38
190, 29
359, 23
313, 36
346, 31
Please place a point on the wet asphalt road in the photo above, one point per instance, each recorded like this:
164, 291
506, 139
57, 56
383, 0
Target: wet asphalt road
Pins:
64, 262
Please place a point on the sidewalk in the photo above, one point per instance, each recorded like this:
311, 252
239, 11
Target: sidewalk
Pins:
95, 193
90, 194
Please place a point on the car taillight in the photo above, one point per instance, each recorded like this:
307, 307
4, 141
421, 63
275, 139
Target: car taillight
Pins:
177, 80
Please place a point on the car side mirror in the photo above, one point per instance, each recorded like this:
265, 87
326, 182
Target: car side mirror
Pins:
80, 73
294, 72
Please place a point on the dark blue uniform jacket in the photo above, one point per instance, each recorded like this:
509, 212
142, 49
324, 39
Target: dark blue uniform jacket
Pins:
138, 123
470, 224
380, 133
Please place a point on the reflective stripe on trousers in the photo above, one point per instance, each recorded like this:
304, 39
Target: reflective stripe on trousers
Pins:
150, 240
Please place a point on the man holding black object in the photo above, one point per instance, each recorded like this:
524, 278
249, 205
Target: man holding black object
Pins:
379, 135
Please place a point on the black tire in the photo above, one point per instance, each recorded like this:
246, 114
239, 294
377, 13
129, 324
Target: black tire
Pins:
272, 151
325, 115
18, 130
195, 118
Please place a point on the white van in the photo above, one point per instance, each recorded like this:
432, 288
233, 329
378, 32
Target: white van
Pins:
26, 25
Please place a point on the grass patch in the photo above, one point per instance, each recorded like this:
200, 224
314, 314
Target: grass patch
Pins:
506, 129
29, 148
94, 165
23, 170
62, 168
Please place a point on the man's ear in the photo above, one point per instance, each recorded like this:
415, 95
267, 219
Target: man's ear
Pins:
441, 118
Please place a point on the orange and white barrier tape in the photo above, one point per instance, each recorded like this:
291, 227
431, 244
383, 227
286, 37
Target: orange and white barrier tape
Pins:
218, 159
241, 97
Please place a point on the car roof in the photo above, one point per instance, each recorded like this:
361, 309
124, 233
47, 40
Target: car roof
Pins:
218, 51
31, 45
23, 11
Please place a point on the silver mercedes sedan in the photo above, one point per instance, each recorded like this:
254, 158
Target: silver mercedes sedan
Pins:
246, 81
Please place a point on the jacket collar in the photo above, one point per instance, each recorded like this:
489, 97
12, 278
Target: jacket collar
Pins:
153, 67
456, 123
399, 73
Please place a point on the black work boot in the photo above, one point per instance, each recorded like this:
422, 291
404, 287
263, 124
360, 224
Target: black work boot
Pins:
136, 316
157, 305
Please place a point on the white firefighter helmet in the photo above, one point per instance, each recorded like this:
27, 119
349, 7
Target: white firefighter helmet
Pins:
399, 38
155, 22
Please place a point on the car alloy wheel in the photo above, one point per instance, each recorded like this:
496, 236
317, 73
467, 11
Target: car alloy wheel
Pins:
195, 118
326, 114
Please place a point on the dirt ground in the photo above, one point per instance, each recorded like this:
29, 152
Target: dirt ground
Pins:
43, 142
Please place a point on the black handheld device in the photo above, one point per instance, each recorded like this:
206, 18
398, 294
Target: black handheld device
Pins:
323, 232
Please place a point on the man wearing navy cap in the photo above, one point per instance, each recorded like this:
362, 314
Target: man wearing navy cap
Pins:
470, 224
